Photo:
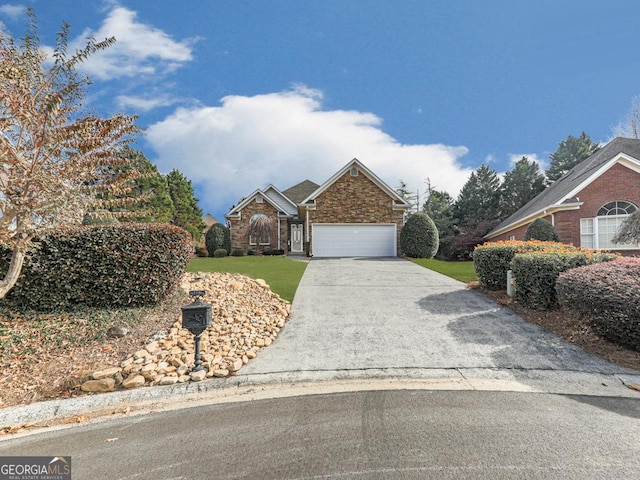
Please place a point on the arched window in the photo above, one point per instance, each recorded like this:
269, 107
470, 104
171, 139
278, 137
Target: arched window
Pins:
597, 232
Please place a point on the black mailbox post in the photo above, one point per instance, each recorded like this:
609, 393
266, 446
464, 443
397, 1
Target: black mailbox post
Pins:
196, 317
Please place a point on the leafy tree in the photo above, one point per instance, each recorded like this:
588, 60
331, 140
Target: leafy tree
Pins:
520, 184
478, 200
54, 156
439, 206
216, 238
541, 230
629, 231
570, 152
464, 243
419, 236
186, 213
261, 230
630, 126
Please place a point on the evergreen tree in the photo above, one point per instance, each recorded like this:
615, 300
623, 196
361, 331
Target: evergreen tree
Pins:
439, 207
186, 213
541, 230
520, 185
570, 152
147, 197
407, 196
479, 199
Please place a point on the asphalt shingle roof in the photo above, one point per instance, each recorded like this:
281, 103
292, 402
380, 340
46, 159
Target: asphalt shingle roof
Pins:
302, 190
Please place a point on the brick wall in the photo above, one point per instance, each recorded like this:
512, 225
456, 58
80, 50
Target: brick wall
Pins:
355, 200
240, 228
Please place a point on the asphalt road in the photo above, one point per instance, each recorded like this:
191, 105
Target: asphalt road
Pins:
402, 434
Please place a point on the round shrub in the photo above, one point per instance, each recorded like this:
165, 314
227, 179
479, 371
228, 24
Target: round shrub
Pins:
419, 236
237, 253
541, 230
219, 253
217, 237
100, 266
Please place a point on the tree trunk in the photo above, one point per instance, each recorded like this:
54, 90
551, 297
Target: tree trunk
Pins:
15, 267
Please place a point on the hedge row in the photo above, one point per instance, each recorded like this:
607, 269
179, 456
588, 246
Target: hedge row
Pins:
492, 260
535, 274
100, 266
608, 296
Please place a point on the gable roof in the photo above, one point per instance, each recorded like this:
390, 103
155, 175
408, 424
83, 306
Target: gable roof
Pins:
399, 201
560, 195
302, 190
281, 199
235, 211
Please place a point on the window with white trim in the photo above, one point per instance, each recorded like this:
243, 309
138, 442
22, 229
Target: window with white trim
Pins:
597, 232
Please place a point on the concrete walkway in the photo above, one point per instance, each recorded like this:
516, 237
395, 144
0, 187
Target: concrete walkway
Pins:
361, 317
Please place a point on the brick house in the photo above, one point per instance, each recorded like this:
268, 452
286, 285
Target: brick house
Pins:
353, 214
589, 203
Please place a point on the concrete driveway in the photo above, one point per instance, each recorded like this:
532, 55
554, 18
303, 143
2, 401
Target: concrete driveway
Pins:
364, 318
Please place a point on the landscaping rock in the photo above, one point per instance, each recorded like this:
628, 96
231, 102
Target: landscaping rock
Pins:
102, 385
247, 316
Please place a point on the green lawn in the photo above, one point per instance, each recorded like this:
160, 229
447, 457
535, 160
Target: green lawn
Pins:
462, 271
281, 273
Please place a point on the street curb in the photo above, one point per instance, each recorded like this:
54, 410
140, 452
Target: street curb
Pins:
293, 383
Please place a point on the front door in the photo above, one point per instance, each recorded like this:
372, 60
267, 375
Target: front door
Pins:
296, 237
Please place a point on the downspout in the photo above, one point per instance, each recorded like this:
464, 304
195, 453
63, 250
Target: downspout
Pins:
279, 233
553, 219
306, 238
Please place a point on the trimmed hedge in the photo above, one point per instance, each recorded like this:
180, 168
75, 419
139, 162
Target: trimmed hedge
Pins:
535, 274
219, 253
217, 237
273, 252
236, 252
419, 236
608, 296
492, 260
100, 266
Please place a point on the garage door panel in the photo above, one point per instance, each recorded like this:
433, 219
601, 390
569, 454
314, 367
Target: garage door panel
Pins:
354, 240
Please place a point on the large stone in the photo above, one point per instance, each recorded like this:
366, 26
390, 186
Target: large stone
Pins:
221, 372
236, 365
102, 385
133, 381
199, 375
168, 380
108, 372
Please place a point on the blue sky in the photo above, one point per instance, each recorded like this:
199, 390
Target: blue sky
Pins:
242, 94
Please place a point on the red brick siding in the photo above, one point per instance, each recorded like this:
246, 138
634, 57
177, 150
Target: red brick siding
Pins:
240, 228
355, 200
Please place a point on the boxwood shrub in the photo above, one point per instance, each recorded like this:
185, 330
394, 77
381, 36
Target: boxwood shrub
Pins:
492, 260
535, 274
607, 296
103, 266
419, 236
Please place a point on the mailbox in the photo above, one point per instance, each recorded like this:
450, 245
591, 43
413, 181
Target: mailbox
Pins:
196, 317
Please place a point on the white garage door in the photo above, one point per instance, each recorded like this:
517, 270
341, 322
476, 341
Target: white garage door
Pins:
354, 240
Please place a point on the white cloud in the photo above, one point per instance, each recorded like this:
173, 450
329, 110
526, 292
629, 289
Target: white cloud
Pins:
284, 138
543, 163
13, 11
143, 104
140, 49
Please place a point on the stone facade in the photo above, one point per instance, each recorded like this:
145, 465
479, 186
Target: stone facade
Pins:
618, 183
354, 199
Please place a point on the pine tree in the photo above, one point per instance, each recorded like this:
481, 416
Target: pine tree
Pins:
520, 185
186, 213
479, 199
570, 152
